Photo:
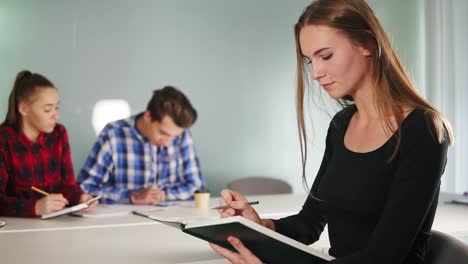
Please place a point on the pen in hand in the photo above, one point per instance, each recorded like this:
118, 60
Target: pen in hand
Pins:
221, 207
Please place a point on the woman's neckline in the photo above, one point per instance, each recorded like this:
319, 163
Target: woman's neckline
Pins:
379, 147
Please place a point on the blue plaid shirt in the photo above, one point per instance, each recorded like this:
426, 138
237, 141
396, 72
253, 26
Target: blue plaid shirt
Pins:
123, 160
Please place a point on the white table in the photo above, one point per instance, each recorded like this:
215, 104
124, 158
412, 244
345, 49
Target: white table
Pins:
134, 239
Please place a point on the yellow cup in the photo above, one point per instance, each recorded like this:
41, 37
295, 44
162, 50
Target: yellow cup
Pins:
202, 199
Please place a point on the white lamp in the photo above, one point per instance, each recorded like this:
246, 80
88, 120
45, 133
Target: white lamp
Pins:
109, 110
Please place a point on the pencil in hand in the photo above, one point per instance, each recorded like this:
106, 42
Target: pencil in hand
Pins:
46, 193
40, 191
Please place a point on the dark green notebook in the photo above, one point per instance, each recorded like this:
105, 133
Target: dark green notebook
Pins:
271, 247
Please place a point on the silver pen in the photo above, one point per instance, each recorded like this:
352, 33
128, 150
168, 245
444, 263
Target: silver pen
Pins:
227, 206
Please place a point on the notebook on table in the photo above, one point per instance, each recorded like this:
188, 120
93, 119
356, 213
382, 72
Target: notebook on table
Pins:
270, 246
71, 209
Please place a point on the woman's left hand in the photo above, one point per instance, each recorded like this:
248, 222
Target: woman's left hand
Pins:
85, 197
244, 256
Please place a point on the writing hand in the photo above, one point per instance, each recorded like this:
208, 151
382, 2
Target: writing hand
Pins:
238, 206
50, 203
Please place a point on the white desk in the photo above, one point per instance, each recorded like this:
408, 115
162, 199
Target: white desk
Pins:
134, 239
148, 243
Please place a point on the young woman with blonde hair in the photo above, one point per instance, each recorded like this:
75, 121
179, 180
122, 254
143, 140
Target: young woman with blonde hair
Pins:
378, 184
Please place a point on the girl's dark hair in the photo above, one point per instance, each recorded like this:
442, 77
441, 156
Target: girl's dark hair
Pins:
25, 86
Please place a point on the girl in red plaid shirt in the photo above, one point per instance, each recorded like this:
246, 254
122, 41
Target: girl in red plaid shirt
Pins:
34, 151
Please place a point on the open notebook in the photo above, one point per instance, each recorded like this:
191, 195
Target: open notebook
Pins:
113, 210
270, 246
71, 209
179, 215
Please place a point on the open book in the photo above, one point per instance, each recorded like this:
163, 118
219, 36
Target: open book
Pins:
71, 209
113, 210
270, 246
174, 216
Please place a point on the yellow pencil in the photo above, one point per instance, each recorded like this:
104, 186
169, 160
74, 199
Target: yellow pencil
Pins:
39, 191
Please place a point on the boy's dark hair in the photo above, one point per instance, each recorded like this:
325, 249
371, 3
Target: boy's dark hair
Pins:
173, 103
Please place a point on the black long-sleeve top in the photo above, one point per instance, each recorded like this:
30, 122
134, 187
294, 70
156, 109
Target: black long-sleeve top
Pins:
378, 210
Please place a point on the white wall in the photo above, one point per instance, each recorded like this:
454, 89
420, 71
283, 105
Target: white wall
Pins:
234, 59
446, 75
460, 118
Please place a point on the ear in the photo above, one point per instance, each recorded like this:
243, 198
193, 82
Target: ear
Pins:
147, 116
367, 51
23, 108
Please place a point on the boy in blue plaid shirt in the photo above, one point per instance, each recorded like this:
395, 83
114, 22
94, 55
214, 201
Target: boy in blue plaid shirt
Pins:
146, 158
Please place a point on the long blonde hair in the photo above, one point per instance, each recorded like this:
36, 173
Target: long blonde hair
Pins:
393, 86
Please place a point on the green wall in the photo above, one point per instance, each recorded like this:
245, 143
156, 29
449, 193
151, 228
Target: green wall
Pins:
234, 59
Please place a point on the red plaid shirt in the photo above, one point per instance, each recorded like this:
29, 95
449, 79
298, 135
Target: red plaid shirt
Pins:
45, 164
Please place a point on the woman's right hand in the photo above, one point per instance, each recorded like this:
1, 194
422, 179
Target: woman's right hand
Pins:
238, 206
50, 203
